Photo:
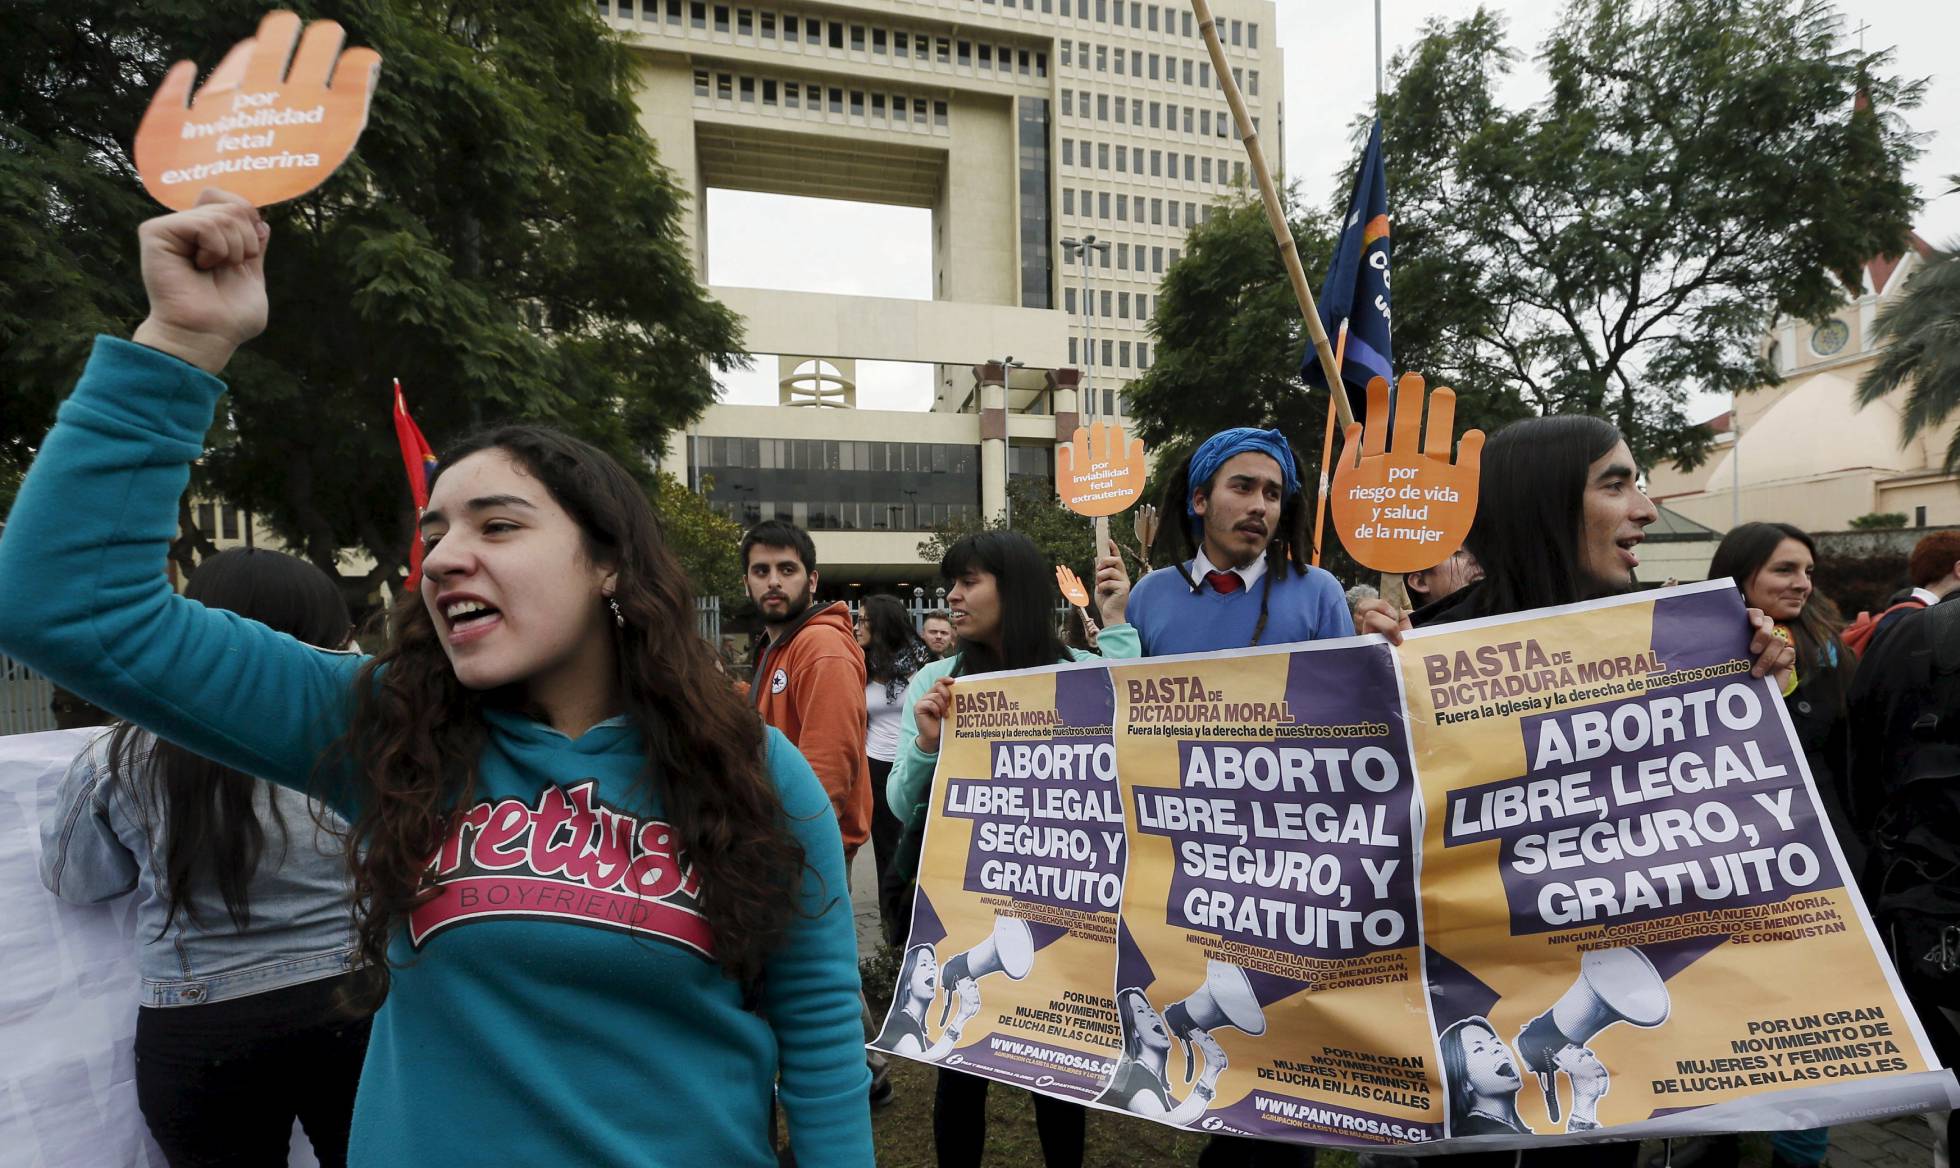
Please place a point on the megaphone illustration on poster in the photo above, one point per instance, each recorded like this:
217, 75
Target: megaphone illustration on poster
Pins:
1009, 950
1615, 985
1225, 999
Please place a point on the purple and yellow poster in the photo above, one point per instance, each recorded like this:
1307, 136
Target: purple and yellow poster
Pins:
1013, 942
1554, 877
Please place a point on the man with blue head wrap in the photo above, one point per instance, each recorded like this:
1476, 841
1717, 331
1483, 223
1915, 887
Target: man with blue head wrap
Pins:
1243, 577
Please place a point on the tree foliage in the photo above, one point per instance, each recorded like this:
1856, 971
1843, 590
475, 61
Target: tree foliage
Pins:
1698, 169
1920, 332
707, 543
1033, 510
504, 240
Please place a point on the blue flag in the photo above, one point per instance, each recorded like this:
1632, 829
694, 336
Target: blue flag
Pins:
1357, 284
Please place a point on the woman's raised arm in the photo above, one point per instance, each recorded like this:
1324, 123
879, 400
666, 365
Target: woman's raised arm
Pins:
83, 598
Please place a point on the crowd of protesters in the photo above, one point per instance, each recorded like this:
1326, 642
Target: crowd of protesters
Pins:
275, 799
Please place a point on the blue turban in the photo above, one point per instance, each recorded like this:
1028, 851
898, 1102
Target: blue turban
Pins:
1224, 445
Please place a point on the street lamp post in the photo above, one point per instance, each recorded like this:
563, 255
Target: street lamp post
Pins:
1082, 247
1007, 367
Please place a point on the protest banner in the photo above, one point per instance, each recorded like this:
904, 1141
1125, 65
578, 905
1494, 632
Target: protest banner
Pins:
1559, 876
68, 1004
1026, 868
257, 128
1271, 895
1627, 876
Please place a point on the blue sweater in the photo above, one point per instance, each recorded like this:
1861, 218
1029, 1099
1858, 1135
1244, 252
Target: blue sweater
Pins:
1170, 618
554, 1004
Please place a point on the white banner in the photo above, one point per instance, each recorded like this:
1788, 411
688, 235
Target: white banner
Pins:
68, 1000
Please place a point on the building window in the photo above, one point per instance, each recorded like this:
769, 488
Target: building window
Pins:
1068, 301
939, 113
701, 83
1143, 362
837, 35
902, 44
1102, 158
1252, 35
1108, 358
1072, 357
725, 86
1157, 261
673, 11
836, 100
878, 41
748, 90
721, 18
1187, 32
1102, 58
1107, 309
697, 14
744, 22
769, 26
1102, 205
792, 95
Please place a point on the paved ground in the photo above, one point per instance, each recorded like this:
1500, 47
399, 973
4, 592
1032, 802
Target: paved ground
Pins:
1901, 1142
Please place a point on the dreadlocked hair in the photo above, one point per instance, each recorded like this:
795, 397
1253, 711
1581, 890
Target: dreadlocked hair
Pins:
1291, 546
416, 733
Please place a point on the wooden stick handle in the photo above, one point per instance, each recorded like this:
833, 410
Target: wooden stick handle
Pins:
1327, 456
1275, 212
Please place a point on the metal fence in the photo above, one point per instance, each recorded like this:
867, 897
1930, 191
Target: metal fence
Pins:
922, 602
707, 618
26, 700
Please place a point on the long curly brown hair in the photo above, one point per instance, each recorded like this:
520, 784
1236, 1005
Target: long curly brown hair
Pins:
416, 733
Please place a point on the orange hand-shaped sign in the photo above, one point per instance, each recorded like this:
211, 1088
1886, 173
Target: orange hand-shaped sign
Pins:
1100, 474
1401, 505
1071, 586
258, 128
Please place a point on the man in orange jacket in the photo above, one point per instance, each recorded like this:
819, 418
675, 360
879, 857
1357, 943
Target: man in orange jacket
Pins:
809, 675
809, 683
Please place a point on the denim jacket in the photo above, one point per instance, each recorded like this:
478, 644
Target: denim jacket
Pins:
104, 839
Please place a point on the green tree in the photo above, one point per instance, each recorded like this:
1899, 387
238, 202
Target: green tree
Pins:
1227, 332
1063, 536
1228, 337
1920, 332
504, 240
1697, 170
707, 543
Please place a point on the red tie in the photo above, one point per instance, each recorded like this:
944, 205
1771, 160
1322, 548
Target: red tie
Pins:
1224, 583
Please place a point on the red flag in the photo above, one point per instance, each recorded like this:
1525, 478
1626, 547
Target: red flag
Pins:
420, 463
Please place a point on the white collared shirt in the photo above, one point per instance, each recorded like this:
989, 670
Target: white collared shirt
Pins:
1931, 598
1250, 574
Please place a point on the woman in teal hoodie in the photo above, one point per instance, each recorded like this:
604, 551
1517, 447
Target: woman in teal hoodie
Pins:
613, 909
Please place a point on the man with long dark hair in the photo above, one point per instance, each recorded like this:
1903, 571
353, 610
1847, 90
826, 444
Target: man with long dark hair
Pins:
1244, 533
1243, 575
1560, 518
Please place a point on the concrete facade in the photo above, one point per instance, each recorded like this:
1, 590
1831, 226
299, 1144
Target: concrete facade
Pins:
1807, 454
1018, 123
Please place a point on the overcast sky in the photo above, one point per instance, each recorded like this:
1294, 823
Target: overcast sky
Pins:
821, 246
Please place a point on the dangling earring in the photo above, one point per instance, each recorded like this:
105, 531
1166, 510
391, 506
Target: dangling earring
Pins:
619, 618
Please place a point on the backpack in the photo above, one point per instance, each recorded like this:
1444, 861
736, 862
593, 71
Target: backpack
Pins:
1857, 636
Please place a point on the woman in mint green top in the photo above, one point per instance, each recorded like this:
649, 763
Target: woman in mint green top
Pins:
612, 907
1002, 601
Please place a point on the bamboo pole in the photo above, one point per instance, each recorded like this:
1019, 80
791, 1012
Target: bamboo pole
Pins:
1327, 455
1275, 212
